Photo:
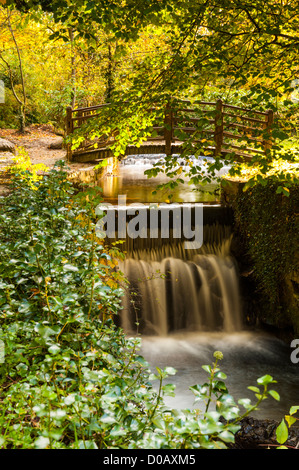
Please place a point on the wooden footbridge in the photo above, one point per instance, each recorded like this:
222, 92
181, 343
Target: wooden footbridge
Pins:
221, 128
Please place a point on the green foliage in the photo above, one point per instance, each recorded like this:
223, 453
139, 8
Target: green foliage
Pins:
70, 377
213, 50
282, 430
22, 164
9, 112
267, 219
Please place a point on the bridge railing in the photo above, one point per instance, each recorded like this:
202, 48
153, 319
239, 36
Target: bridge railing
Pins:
224, 129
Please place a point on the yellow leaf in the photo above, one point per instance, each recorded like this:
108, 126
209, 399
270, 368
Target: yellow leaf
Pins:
290, 420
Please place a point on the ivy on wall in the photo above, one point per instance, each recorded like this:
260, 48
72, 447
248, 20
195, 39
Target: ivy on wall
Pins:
269, 224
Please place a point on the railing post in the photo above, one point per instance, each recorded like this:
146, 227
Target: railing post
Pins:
269, 123
69, 130
218, 136
168, 128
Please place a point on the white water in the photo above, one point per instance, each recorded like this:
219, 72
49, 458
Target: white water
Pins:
248, 355
196, 311
188, 306
172, 289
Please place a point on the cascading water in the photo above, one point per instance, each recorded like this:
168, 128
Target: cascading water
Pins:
187, 305
173, 289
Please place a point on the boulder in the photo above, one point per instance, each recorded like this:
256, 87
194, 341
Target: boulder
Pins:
7, 146
6, 161
57, 144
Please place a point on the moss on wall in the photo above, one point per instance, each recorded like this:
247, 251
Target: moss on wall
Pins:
267, 224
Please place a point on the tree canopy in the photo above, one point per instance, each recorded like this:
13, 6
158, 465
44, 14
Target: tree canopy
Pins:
243, 52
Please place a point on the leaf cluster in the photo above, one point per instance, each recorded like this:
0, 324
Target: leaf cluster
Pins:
70, 378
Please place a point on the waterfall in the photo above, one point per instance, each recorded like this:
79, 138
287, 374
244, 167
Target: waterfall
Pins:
173, 290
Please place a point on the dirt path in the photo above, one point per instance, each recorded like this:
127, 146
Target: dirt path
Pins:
37, 141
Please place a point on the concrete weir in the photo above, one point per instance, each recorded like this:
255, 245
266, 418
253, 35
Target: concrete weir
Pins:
162, 223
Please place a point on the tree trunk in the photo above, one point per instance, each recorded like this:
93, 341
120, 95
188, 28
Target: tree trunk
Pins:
73, 68
22, 119
109, 75
22, 102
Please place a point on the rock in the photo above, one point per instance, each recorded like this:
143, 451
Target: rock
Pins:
88, 175
7, 146
57, 144
6, 160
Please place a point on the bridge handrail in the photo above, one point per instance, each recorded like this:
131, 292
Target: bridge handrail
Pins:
224, 119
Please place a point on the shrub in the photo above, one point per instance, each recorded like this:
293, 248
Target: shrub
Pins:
70, 378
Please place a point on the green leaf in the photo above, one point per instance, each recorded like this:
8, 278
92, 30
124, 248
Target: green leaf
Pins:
159, 423
282, 432
221, 375
54, 349
265, 380
227, 436
70, 267
41, 442
87, 445
246, 402
294, 410
168, 390
274, 394
170, 371
254, 389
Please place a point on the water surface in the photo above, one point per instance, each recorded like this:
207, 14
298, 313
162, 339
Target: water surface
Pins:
209, 283
248, 355
128, 178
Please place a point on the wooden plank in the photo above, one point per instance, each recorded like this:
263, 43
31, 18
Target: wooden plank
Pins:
69, 131
168, 129
193, 110
84, 117
91, 156
193, 129
91, 108
241, 126
264, 113
204, 103
239, 157
244, 118
241, 137
248, 149
145, 149
270, 120
154, 139
177, 120
218, 136
91, 147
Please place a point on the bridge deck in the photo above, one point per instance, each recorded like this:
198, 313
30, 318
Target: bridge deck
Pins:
230, 125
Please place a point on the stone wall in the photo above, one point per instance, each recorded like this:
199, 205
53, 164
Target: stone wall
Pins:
266, 245
93, 174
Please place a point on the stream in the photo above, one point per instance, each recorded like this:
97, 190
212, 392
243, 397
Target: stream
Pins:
194, 308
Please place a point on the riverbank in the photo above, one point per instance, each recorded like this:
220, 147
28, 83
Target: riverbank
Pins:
45, 147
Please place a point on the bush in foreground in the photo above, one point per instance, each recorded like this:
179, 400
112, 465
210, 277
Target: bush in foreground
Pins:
70, 378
